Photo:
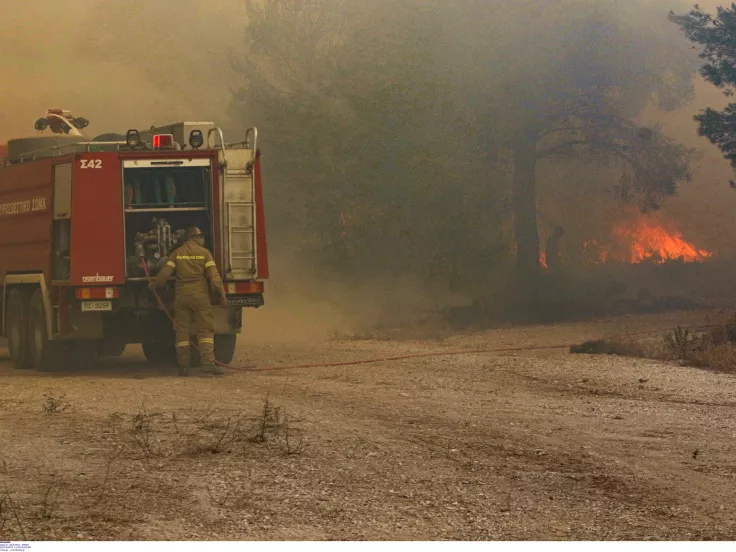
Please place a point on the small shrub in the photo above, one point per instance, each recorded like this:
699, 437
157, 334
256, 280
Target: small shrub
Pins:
717, 356
609, 347
143, 433
54, 404
680, 342
267, 422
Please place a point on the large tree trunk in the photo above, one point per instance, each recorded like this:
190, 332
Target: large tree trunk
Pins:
526, 233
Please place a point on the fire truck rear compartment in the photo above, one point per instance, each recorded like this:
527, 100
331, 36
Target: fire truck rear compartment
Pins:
160, 204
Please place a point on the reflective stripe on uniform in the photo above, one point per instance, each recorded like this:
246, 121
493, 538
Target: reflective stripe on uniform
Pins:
209, 264
182, 344
206, 340
172, 264
191, 257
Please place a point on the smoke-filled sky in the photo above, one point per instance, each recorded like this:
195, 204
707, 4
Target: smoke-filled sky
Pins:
137, 63
120, 64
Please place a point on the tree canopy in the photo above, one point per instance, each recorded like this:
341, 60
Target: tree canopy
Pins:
406, 136
716, 37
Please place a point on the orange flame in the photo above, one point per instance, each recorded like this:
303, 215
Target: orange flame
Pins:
651, 241
646, 239
600, 250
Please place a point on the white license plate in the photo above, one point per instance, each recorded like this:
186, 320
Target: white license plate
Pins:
95, 306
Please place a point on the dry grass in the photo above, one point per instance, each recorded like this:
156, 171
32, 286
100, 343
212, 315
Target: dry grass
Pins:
610, 347
714, 348
187, 434
720, 357
136, 454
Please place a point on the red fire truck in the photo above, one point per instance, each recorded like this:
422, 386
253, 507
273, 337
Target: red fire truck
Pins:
84, 222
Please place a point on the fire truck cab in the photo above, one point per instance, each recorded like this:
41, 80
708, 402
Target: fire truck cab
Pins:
84, 224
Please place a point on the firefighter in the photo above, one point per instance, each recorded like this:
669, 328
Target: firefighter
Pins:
552, 248
195, 269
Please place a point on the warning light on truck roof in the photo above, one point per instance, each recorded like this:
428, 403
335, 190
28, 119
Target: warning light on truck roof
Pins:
162, 141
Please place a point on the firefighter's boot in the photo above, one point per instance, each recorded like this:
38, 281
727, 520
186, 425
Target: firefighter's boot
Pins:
212, 369
207, 353
183, 357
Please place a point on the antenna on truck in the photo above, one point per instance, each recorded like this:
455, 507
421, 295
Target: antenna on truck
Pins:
61, 121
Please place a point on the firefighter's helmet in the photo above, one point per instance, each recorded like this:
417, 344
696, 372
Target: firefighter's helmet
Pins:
192, 232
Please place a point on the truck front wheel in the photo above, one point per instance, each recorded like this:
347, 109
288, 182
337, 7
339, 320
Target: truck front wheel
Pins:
225, 347
17, 320
46, 355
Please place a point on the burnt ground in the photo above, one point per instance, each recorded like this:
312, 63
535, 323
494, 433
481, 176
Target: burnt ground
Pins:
537, 444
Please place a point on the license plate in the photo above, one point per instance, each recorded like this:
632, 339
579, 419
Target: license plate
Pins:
254, 300
96, 306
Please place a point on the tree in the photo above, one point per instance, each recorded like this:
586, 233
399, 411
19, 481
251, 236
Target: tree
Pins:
581, 125
716, 35
375, 159
427, 123
572, 84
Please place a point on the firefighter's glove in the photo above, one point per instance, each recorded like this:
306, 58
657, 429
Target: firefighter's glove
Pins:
223, 300
152, 285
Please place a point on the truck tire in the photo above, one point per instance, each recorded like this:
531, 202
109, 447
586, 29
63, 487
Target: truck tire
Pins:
17, 330
82, 354
46, 355
225, 347
110, 348
157, 352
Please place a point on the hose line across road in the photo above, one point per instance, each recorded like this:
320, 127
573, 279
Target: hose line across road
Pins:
403, 357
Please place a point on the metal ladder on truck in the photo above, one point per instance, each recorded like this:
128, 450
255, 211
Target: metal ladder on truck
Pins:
239, 208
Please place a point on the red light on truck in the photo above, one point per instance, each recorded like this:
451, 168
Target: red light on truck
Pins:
97, 293
238, 288
161, 141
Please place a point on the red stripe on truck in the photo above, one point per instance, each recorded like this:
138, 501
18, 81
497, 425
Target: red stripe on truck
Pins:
262, 249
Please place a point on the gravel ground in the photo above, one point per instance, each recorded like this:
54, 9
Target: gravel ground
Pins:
536, 444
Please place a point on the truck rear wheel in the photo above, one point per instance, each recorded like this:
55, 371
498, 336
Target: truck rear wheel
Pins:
107, 348
225, 347
45, 355
17, 317
157, 352
82, 354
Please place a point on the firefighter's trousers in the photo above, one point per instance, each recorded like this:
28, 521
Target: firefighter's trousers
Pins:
195, 307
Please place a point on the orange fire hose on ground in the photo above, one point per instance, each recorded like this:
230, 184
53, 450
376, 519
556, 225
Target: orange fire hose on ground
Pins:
399, 357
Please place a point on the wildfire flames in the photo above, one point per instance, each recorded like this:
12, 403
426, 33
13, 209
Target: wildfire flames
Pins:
645, 239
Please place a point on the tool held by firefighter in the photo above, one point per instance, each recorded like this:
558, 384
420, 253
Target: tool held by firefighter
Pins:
196, 276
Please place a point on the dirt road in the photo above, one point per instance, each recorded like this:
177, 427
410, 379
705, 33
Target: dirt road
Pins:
528, 445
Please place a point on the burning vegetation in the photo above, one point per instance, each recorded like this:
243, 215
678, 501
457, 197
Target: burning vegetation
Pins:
646, 238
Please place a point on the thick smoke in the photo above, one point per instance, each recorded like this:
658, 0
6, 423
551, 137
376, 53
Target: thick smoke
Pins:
385, 124
121, 65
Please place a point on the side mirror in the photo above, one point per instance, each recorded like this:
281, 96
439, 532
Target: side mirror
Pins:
41, 124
